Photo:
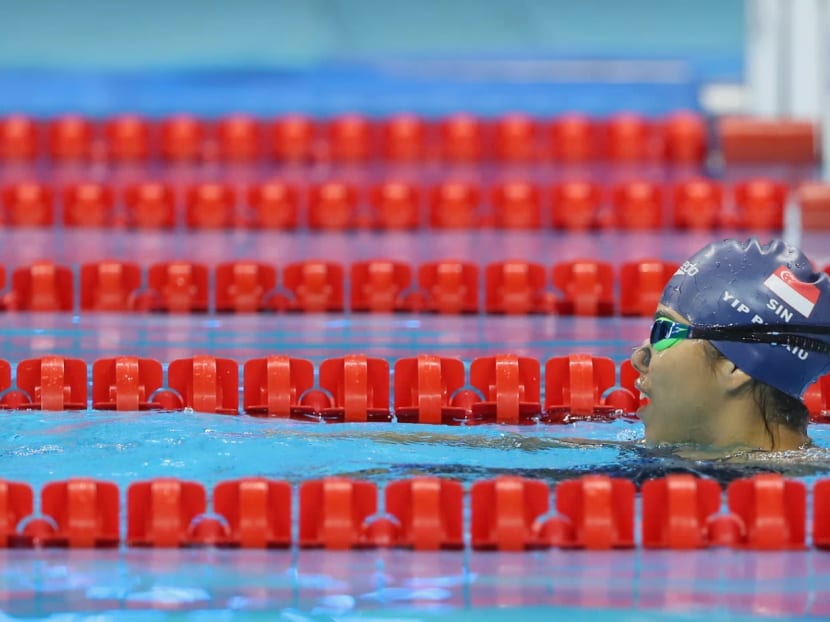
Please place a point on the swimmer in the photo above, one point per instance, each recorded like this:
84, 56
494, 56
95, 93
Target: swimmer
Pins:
740, 333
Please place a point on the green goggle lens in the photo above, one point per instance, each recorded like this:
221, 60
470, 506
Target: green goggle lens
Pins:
665, 333
665, 344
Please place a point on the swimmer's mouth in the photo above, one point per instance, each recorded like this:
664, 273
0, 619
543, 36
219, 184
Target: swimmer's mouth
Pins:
638, 386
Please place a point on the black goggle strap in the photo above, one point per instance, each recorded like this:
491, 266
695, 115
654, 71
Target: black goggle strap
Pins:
792, 335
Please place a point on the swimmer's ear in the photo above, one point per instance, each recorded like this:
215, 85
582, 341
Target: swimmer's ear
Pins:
733, 379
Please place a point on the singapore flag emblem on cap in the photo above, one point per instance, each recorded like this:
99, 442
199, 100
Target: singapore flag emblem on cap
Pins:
799, 295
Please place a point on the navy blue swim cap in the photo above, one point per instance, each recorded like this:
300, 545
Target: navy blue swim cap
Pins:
734, 283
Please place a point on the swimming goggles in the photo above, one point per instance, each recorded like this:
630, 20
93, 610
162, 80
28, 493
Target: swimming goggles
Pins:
666, 332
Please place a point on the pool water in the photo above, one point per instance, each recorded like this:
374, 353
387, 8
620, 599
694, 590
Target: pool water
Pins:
299, 584
125, 447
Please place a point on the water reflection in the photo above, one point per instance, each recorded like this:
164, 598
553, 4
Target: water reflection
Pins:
322, 585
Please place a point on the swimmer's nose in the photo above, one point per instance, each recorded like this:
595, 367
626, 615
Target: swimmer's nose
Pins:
641, 357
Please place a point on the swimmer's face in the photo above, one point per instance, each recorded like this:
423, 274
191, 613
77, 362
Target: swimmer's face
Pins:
682, 390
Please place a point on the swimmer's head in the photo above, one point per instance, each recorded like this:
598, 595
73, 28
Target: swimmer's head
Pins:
708, 387
734, 283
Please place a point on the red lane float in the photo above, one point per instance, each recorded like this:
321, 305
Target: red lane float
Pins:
109, 285
461, 138
510, 387
126, 383
257, 512
276, 385
27, 204
244, 286
42, 286
427, 389
676, 511
508, 513
576, 202
450, 287
380, 286
505, 512
429, 513
53, 383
